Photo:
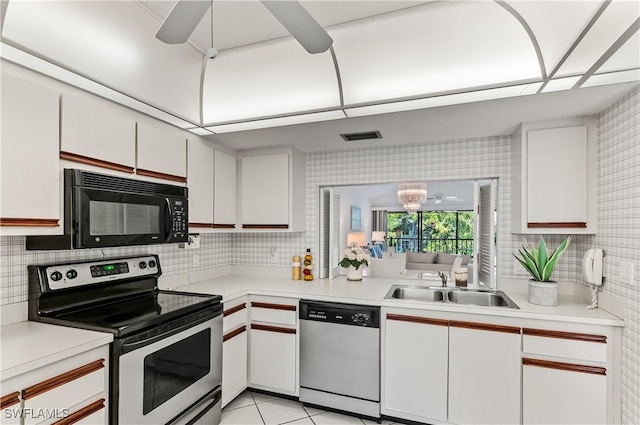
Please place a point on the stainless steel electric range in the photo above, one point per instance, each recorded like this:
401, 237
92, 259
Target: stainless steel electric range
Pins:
166, 358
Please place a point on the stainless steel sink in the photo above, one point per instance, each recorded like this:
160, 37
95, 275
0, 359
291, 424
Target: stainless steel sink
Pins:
483, 298
486, 298
419, 293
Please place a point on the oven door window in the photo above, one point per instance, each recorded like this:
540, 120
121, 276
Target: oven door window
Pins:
172, 369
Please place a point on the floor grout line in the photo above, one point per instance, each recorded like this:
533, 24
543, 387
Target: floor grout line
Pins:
257, 408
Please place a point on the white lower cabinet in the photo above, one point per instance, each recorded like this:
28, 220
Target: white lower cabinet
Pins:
73, 391
273, 362
563, 393
415, 367
273, 344
234, 364
484, 373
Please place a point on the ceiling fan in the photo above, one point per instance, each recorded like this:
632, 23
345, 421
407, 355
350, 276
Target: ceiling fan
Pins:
438, 197
186, 14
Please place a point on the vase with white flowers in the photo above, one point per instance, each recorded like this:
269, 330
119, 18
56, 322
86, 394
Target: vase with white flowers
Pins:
540, 262
355, 258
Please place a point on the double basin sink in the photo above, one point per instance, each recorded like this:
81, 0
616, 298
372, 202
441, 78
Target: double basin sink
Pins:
436, 294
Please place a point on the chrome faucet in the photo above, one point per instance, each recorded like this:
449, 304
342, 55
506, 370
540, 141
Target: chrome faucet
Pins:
443, 277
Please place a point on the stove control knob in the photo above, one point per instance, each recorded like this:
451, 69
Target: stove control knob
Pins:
152, 264
56, 276
142, 265
72, 274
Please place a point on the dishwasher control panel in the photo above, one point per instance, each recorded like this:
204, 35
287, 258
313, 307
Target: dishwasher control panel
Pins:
344, 314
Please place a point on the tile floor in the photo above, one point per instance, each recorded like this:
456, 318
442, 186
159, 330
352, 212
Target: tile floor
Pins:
251, 408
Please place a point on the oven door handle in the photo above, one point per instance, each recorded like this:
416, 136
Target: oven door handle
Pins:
164, 331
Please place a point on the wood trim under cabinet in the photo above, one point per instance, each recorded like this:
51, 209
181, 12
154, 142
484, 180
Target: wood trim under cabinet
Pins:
273, 329
565, 335
273, 306
416, 319
77, 416
235, 309
205, 225
559, 225
95, 162
62, 379
570, 367
265, 226
223, 226
484, 327
164, 176
234, 333
29, 222
10, 399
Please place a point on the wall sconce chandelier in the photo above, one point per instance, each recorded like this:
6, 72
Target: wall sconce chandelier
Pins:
412, 196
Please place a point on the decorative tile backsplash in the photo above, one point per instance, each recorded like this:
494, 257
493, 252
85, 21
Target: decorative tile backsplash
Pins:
619, 231
618, 219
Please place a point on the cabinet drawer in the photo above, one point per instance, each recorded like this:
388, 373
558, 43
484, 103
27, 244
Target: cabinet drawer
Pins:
10, 405
234, 316
280, 310
568, 345
65, 390
91, 414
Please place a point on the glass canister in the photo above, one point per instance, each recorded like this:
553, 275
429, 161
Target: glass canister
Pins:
461, 276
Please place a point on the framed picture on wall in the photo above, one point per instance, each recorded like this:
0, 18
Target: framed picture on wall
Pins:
356, 219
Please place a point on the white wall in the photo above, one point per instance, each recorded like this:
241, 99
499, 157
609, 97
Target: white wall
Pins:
349, 197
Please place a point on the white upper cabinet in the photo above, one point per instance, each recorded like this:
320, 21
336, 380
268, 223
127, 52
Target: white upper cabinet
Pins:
29, 164
225, 211
272, 189
554, 177
162, 152
96, 133
200, 183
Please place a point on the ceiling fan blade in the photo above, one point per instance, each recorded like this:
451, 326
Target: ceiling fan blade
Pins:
300, 25
182, 20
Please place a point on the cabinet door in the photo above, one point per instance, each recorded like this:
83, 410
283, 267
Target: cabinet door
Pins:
234, 364
484, 373
416, 359
563, 393
10, 407
162, 152
30, 187
200, 182
273, 358
265, 190
98, 134
225, 212
557, 177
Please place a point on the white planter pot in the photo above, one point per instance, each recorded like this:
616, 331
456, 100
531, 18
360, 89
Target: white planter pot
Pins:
354, 274
543, 293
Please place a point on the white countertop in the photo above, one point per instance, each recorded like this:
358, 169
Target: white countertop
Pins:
25, 346
372, 291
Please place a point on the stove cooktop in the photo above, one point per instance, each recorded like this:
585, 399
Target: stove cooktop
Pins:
130, 315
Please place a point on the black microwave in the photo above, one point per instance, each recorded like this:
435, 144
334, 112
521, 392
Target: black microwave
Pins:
101, 210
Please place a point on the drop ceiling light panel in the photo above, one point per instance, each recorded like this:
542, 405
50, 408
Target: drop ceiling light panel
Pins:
556, 24
113, 43
452, 99
613, 78
277, 122
433, 49
615, 20
277, 78
560, 84
627, 57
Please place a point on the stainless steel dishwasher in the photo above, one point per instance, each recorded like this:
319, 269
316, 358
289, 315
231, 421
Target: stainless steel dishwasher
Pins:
340, 356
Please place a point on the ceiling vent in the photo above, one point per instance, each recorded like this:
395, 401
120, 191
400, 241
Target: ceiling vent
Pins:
365, 135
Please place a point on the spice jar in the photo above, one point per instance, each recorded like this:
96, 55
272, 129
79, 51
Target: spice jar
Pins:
295, 267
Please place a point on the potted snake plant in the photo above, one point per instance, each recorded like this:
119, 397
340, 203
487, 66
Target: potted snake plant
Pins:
540, 263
